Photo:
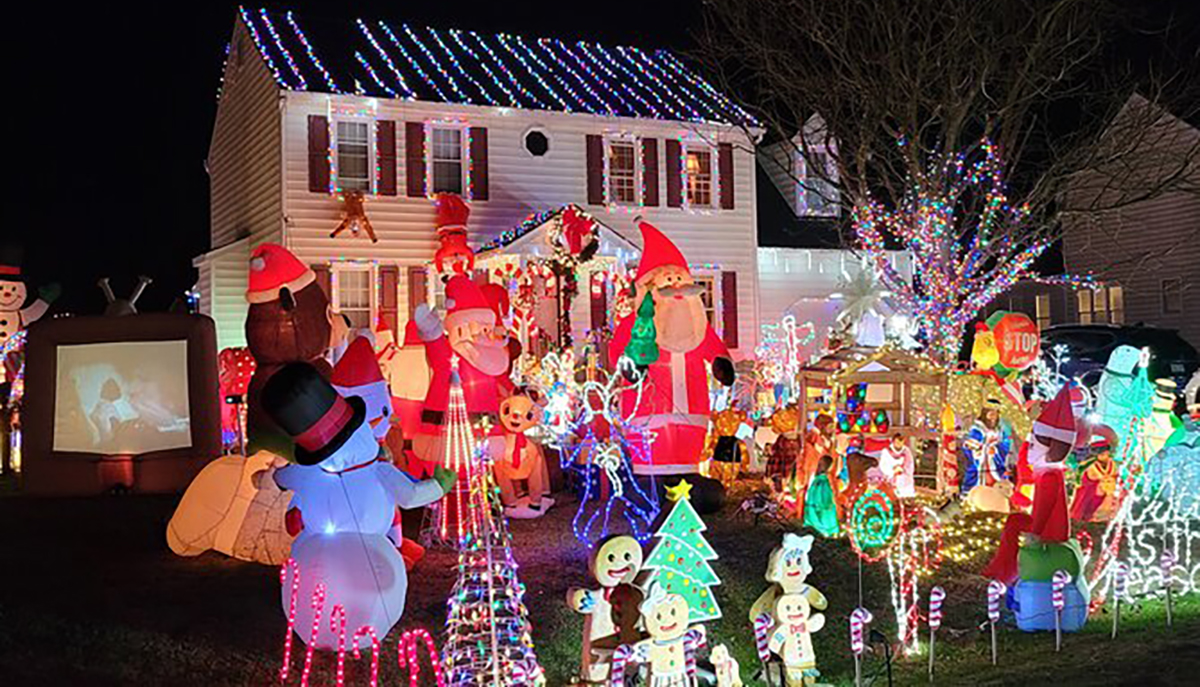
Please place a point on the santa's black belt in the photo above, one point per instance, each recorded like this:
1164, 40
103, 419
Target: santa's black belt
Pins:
438, 417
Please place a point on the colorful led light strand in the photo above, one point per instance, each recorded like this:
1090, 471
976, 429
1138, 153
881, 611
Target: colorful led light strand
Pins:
249, 22
415, 65
502, 39
457, 65
308, 50
287, 55
456, 36
528, 94
387, 59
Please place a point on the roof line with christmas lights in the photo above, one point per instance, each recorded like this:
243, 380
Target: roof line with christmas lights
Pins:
467, 67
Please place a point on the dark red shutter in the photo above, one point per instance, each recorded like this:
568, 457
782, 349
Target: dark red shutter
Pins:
416, 290
385, 150
318, 154
674, 173
650, 172
599, 303
389, 281
729, 309
479, 163
725, 170
325, 279
414, 159
595, 170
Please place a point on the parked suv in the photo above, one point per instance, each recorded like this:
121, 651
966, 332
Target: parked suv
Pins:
1089, 345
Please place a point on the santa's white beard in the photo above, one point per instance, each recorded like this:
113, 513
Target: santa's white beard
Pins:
680, 322
489, 358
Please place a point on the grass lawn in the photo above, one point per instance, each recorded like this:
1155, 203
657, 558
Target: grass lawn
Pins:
90, 595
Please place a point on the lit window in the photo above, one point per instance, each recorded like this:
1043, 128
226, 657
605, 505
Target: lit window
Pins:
816, 192
353, 156
622, 173
1116, 305
1172, 296
1042, 306
1084, 297
1103, 305
352, 293
447, 160
698, 167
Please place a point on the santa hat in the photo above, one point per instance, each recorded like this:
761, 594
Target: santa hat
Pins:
452, 212
463, 295
357, 367
273, 267
657, 251
497, 298
412, 334
1057, 421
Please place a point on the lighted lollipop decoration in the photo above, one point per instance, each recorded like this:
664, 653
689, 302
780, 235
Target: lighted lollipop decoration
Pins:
995, 592
873, 525
859, 618
1058, 583
936, 596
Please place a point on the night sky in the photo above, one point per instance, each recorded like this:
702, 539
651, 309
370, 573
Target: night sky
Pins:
114, 103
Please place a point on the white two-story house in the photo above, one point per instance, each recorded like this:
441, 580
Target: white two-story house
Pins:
519, 127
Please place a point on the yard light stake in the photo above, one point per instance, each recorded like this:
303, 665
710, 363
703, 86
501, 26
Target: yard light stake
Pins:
996, 590
1167, 562
936, 596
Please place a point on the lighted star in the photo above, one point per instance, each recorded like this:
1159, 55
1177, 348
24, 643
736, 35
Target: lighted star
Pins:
683, 490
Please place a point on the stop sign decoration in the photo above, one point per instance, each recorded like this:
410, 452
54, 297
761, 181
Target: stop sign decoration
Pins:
1017, 340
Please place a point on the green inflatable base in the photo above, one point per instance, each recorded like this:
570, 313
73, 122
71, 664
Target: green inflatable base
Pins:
1037, 561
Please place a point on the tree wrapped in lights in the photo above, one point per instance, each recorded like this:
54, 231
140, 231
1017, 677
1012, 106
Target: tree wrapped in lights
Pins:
968, 243
488, 634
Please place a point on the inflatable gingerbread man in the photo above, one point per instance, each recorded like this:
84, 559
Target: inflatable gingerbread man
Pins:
674, 400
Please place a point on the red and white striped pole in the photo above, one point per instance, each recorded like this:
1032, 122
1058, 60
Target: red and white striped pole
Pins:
936, 596
996, 590
1057, 583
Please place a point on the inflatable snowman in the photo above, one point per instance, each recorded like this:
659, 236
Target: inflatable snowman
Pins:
344, 498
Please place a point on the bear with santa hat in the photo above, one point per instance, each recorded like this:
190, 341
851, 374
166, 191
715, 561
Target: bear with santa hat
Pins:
674, 401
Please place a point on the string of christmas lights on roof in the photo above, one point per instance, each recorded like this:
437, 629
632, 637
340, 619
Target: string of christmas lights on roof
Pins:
312, 55
542, 74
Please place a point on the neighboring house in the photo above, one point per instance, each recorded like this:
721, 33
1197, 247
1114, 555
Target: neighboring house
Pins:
1147, 253
520, 128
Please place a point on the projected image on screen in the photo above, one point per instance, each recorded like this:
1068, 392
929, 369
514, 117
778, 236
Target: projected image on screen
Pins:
127, 397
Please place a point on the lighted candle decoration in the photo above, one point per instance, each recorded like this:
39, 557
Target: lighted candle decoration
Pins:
995, 593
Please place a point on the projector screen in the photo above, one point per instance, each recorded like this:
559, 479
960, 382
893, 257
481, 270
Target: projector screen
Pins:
122, 398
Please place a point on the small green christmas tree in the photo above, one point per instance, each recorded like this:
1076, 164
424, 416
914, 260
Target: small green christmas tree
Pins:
643, 344
679, 561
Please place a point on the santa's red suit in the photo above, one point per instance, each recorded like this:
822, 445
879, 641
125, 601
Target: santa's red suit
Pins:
1054, 431
674, 402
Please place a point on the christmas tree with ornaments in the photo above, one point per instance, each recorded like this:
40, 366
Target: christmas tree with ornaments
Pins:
679, 561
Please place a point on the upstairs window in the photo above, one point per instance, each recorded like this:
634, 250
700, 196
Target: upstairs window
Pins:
1042, 308
622, 172
1172, 296
446, 160
816, 193
708, 297
1105, 305
698, 168
353, 143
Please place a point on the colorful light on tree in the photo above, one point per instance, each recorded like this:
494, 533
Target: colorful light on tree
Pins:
679, 561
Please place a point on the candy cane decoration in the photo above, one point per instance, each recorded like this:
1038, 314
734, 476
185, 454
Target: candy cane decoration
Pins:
1120, 573
1057, 584
337, 623
762, 626
936, 596
1167, 563
858, 618
692, 642
406, 655
290, 565
368, 631
620, 657
318, 606
995, 592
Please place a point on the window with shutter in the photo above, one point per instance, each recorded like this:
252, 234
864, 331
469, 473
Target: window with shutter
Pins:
416, 289
650, 172
674, 170
318, 154
595, 169
414, 159
725, 174
478, 144
385, 142
446, 160
698, 169
353, 293
353, 156
729, 309
389, 283
622, 171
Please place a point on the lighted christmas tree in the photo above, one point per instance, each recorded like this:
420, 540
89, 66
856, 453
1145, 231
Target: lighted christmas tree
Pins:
643, 343
679, 561
488, 634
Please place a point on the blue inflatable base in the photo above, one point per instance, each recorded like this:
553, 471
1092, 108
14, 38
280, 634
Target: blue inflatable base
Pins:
1035, 610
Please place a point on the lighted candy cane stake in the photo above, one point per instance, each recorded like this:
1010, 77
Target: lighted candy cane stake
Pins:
762, 627
859, 617
936, 596
368, 631
1060, 580
1120, 572
406, 655
1167, 562
294, 567
996, 590
616, 675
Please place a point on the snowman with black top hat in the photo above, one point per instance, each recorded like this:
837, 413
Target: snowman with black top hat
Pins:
345, 498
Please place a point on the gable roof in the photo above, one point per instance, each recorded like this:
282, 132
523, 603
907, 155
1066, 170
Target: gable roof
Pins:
778, 225
395, 60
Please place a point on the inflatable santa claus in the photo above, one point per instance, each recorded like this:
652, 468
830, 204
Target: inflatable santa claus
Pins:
674, 401
471, 335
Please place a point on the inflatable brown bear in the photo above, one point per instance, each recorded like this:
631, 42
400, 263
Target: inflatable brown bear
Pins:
288, 321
